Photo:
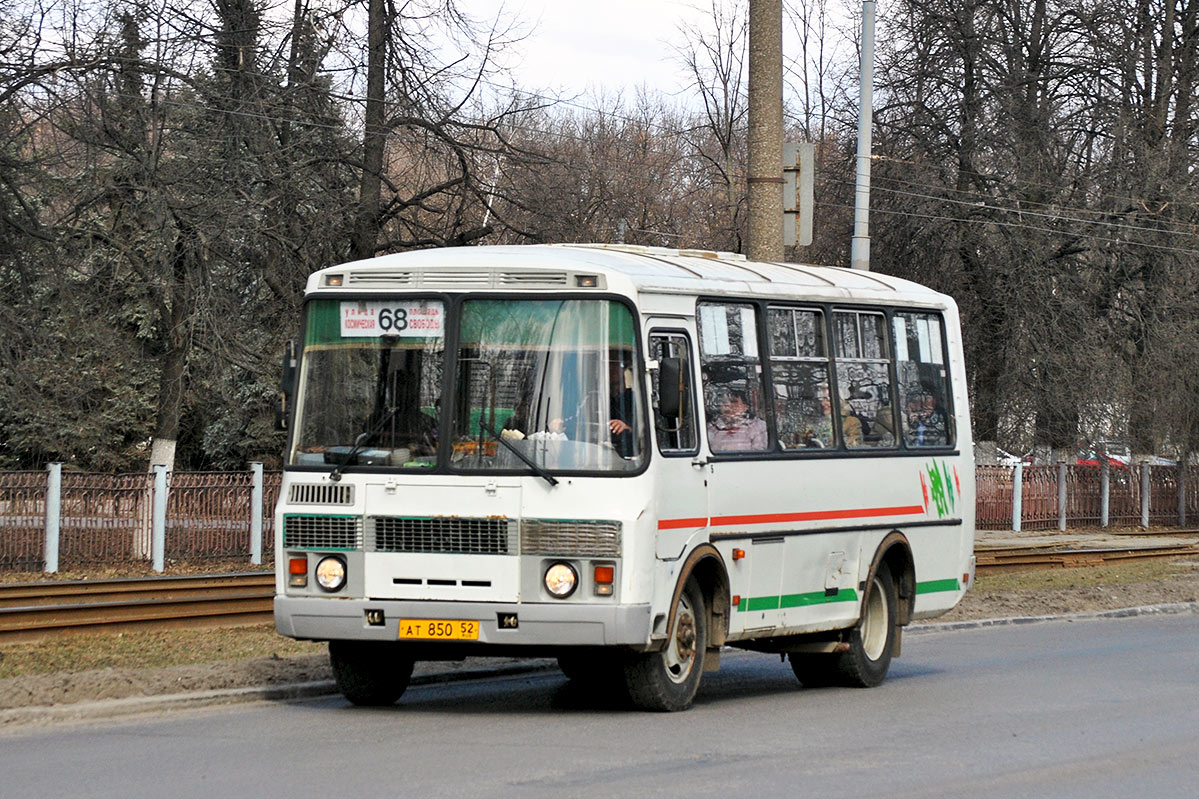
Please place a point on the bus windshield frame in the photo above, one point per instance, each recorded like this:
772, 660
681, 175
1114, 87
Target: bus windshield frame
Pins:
515, 384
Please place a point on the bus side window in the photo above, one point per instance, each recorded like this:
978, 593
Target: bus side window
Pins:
734, 400
923, 380
676, 432
800, 377
864, 379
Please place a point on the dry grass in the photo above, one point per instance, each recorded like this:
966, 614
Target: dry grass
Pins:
139, 569
87, 651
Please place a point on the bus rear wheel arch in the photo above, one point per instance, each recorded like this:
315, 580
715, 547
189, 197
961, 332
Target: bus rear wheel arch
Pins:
864, 656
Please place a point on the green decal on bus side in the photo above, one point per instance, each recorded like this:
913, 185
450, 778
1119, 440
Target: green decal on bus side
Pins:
937, 586
749, 604
796, 600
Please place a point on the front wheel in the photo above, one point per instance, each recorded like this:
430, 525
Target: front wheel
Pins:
667, 680
370, 673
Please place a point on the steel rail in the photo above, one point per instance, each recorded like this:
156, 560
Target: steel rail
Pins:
36, 611
1041, 557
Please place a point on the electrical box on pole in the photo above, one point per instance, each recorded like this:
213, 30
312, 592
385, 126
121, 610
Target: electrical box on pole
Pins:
799, 167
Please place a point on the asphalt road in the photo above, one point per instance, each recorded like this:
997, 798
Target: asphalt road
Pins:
1061, 709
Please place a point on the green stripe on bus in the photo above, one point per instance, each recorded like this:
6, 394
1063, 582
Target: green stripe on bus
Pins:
936, 586
796, 600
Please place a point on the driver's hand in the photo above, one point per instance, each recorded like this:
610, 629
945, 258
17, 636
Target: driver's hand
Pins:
617, 427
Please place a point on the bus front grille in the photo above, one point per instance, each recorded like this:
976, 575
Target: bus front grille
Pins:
320, 494
456, 535
303, 531
569, 537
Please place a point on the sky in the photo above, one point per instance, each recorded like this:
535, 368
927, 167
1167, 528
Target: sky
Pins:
578, 46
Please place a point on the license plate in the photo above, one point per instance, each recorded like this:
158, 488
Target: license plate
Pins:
439, 629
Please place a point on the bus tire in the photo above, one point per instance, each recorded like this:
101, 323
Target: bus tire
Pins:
370, 673
815, 670
592, 669
668, 680
872, 641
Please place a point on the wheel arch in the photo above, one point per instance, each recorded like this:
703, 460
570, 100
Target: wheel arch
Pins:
707, 566
896, 551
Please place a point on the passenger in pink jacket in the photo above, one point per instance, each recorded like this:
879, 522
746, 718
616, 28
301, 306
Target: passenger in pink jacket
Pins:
734, 429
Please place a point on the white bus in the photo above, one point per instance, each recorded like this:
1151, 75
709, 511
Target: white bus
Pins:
627, 458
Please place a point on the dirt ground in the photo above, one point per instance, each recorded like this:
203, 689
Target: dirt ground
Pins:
68, 673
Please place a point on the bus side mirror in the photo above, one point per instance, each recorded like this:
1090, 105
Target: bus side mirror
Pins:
287, 385
671, 387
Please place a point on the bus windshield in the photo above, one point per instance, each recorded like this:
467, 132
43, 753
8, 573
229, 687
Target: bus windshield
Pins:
554, 379
537, 384
370, 384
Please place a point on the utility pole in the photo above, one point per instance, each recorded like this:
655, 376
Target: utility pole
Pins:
859, 253
765, 130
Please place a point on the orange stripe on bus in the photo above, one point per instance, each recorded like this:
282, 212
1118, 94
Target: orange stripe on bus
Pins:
675, 524
806, 516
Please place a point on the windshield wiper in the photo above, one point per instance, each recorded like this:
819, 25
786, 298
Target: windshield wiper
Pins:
360, 442
532, 464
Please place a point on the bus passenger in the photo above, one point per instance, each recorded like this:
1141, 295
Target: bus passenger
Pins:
734, 429
851, 425
621, 413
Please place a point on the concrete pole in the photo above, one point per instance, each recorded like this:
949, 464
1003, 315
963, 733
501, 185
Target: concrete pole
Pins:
1017, 496
859, 254
256, 515
1061, 496
1105, 493
765, 130
158, 525
53, 515
1146, 491
1182, 493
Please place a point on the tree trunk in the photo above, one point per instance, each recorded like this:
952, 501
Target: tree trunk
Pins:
366, 231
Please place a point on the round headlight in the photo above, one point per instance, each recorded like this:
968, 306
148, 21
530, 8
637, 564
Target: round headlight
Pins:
561, 580
331, 573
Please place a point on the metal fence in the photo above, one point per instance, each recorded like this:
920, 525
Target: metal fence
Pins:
1075, 495
105, 519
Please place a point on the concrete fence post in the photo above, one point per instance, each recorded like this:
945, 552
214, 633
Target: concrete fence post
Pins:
1105, 492
158, 535
1017, 496
256, 515
1061, 496
53, 515
1182, 493
1146, 490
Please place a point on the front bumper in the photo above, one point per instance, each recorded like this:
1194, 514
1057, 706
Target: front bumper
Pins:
537, 624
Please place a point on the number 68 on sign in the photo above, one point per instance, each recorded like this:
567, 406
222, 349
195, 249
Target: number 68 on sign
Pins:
371, 319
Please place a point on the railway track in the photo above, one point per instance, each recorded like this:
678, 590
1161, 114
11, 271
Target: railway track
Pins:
36, 611
999, 559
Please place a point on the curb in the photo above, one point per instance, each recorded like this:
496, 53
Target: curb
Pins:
133, 705
1118, 613
113, 708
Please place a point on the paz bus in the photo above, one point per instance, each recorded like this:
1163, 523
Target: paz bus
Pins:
627, 458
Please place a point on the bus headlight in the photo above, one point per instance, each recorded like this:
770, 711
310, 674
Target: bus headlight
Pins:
331, 573
561, 580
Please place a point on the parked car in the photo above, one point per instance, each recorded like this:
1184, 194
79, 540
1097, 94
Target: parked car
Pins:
1005, 458
1117, 454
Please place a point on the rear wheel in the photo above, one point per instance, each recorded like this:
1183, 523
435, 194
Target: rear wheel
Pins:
667, 680
871, 642
370, 673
